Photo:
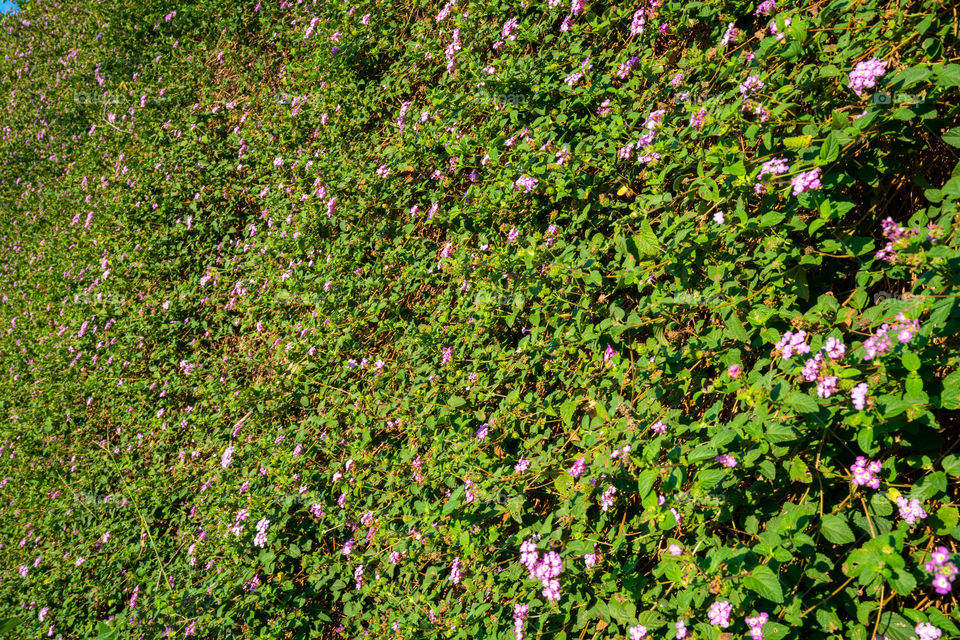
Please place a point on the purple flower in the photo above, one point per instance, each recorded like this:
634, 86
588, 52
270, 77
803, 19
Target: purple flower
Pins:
579, 466
828, 386
864, 75
835, 348
734, 371
911, 510
455, 571
719, 613
698, 119
609, 355
727, 460
681, 629
792, 343
522, 465
765, 8
447, 354
525, 181
926, 631
859, 396
864, 472
756, 625
519, 616
637, 23
732, 34
659, 428
806, 181
751, 85
638, 632
606, 499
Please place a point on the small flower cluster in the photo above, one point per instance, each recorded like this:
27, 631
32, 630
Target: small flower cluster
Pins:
864, 75
719, 613
864, 472
455, 571
727, 460
260, 540
638, 632
756, 625
814, 368
806, 181
774, 167
911, 510
519, 616
606, 499
879, 343
578, 467
792, 343
926, 631
732, 34
944, 572
776, 32
751, 85
546, 569
525, 181
897, 238
609, 355
859, 396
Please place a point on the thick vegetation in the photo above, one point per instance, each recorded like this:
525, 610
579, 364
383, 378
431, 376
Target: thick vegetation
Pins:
486, 319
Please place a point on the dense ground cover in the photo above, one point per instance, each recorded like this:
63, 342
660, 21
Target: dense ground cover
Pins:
480, 319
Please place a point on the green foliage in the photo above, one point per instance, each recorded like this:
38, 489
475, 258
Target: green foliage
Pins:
523, 273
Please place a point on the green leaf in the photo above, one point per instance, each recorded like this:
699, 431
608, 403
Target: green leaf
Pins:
764, 582
799, 472
948, 76
836, 530
646, 240
802, 402
456, 401
910, 360
567, 409
896, 627
9, 624
902, 581
735, 327
830, 150
950, 398
952, 137
951, 464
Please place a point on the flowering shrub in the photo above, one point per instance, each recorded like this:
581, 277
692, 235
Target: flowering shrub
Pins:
663, 346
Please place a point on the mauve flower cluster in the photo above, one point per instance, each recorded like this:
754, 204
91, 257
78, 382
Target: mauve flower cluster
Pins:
519, 616
944, 572
815, 367
911, 510
455, 571
879, 343
792, 343
719, 613
260, 540
864, 472
732, 34
806, 181
897, 238
864, 75
859, 396
756, 625
926, 631
774, 167
546, 569
579, 466
606, 499
638, 632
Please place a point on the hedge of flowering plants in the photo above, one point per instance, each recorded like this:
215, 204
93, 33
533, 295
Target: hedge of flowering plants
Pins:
507, 319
